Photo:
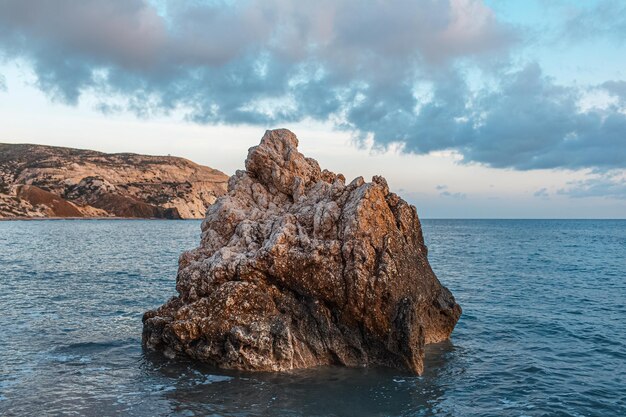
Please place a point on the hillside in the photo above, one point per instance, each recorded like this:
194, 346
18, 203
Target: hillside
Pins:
46, 181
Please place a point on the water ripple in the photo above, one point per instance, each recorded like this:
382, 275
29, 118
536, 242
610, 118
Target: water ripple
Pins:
543, 329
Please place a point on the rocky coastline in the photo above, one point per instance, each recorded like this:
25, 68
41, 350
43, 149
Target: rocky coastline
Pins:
52, 182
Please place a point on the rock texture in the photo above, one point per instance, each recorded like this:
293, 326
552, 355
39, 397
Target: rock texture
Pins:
46, 181
297, 269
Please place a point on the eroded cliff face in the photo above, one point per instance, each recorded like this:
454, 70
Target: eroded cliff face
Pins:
46, 181
298, 269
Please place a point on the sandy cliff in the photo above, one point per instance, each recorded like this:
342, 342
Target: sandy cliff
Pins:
46, 181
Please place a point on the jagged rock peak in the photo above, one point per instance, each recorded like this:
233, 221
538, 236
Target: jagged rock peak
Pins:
278, 165
297, 269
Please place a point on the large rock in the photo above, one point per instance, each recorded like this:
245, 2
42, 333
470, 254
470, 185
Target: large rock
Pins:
297, 269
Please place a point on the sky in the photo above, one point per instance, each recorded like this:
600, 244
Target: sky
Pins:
469, 108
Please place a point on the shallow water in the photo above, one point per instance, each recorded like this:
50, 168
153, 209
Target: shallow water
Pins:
543, 330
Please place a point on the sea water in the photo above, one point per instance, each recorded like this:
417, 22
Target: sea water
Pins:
543, 330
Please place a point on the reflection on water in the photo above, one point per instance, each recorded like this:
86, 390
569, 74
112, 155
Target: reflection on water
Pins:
543, 329
198, 390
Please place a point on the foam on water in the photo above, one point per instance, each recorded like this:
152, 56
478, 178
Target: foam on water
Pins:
543, 330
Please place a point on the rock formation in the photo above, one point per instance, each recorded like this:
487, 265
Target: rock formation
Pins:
46, 181
297, 269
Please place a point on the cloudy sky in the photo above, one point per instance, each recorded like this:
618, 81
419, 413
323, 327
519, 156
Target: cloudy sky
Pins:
470, 108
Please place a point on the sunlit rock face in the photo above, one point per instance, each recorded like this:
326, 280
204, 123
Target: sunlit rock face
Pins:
297, 269
48, 181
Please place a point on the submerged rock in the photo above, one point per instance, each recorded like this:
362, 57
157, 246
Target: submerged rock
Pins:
297, 269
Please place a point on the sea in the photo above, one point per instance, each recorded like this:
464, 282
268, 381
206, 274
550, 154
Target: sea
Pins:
543, 331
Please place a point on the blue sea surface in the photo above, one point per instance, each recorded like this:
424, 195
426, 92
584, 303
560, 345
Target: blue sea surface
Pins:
543, 331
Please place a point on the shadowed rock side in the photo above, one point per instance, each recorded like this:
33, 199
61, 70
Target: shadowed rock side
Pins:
297, 269
47, 181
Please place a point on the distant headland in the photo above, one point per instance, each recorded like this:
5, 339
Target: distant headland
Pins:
39, 181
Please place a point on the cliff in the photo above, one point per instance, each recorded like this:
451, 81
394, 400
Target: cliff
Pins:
45, 181
297, 269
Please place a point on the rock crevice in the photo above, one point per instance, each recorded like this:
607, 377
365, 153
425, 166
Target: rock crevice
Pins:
297, 269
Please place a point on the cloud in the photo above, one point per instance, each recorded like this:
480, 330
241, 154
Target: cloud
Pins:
443, 192
395, 72
3, 83
526, 122
224, 60
617, 89
542, 193
599, 19
531, 122
457, 196
606, 185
